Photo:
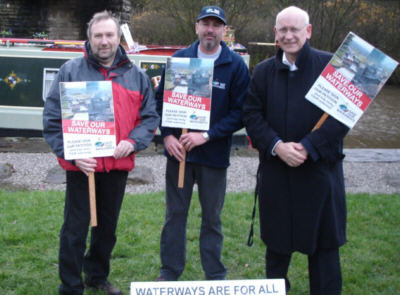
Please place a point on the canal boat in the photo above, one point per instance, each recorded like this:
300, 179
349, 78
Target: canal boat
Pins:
29, 66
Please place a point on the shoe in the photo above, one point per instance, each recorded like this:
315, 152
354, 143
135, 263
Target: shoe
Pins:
105, 287
160, 279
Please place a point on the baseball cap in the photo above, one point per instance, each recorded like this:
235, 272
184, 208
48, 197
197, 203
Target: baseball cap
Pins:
213, 11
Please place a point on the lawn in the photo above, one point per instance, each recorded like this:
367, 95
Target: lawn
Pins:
30, 223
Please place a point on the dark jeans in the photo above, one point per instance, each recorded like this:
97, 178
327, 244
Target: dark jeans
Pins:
323, 268
110, 189
211, 187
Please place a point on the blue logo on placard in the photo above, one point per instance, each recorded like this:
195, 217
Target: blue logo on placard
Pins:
343, 107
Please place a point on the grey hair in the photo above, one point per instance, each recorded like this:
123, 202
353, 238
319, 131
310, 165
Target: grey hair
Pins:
297, 9
104, 15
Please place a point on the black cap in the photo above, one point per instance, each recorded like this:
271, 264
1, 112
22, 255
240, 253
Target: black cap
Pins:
213, 11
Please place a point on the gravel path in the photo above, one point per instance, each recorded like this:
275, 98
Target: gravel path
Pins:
366, 171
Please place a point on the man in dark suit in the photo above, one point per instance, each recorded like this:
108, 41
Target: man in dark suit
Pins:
301, 184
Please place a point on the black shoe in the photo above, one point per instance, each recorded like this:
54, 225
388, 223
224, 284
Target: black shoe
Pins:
105, 287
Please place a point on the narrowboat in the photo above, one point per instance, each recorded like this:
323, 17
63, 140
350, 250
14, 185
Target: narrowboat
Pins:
28, 67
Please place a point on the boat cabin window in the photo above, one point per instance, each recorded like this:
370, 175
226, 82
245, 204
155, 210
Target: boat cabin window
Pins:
49, 74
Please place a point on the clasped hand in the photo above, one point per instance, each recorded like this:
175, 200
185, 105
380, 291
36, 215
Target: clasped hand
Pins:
292, 153
186, 142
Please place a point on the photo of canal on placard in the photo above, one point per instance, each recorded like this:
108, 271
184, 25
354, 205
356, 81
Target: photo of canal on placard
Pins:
379, 127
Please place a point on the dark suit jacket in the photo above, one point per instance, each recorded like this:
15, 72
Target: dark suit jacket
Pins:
301, 208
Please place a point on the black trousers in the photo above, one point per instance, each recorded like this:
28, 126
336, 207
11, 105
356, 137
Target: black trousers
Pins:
110, 189
211, 184
323, 268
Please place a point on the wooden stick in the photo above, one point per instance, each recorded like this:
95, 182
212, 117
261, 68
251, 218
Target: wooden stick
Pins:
321, 121
92, 200
181, 176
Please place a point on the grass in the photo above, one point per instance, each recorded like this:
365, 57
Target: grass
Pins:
30, 223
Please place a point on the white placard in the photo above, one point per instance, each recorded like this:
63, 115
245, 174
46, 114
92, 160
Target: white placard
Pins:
87, 119
187, 93
351, 80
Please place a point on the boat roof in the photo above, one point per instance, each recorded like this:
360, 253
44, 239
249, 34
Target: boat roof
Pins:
78, 46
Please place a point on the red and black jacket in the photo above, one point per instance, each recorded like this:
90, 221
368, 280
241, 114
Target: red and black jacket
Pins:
135, 113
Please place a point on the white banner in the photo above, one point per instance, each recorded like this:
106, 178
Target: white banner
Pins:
225, 287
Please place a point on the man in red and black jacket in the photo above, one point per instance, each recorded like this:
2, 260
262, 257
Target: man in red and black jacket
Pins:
135, 121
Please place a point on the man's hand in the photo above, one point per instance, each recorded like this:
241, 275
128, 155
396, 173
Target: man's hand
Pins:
191, 140
292, 153
86, 165
123, 149
174, 147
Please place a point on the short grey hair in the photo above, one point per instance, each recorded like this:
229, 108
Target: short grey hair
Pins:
298, 10
104, 15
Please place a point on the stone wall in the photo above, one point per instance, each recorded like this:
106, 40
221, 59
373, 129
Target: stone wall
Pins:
63, 21
58, 18
22, 17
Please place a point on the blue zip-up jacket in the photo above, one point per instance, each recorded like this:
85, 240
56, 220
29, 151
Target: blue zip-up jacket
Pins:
230, 82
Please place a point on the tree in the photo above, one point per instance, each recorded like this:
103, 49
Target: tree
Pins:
172, 22
163, 15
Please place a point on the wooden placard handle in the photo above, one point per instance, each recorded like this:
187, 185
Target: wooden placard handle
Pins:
181, 176
92, 200
320, 121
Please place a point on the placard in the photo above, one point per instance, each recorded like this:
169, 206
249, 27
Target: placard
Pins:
352, 79
187, 93
87, 119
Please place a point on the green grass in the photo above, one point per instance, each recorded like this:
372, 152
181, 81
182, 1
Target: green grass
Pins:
30, 223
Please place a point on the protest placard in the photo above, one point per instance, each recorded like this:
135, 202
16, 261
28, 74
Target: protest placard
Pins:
187, 93
352, 79
87, 119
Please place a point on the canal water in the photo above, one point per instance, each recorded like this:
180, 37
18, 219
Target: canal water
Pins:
379, 126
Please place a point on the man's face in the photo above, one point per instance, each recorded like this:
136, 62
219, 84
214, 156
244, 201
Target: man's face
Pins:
210, 31
104, 41
292, 32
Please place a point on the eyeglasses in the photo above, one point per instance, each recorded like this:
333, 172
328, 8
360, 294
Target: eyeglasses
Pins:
292, 30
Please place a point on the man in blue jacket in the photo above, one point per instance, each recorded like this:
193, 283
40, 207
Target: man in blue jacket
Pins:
207, 155
301, 184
